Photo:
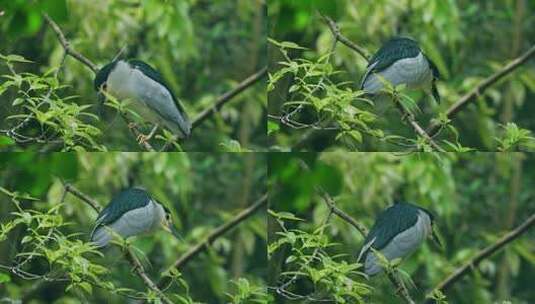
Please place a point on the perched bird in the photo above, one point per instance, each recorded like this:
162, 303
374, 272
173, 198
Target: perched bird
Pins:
397, 232
131, 212
401, 61
151, 97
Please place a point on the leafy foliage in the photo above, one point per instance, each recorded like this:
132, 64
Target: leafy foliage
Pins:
308, 261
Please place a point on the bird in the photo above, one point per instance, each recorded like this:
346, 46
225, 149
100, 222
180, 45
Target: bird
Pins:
130, 212
398, 231
401, 61
151, 97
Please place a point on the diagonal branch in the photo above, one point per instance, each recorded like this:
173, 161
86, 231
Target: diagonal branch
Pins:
67, 46
416, 127
134, 261
339, 212
483, 254
482, 86
215, 234
335, 30
223, 99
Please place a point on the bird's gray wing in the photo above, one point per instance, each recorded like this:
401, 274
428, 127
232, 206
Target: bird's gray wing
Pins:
390, 223
392, 51
163, 109
156, 76
121, 203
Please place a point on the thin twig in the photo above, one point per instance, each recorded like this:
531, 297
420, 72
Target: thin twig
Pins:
67, 47
346, 217
135, 131
415, 126
483, 254
339, 37
220, 101
82, 196
401, 289
481, 87
138, 268
215, 234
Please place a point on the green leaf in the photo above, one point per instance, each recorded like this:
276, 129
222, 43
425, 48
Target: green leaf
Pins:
16, 58
272, 127
6, 141
86, 287
4, 278
284, 215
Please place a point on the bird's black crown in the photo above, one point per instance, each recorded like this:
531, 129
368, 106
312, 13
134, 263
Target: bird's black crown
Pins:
102, 74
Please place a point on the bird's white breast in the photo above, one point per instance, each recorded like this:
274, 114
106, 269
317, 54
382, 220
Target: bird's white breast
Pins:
413, 72
402, 244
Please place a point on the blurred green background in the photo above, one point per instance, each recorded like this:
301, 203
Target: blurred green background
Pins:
202, 49
202, 190
468, 41
475, 198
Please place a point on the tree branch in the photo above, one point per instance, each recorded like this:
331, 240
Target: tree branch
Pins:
344, 216
215, 234
416, 127
481, 87
335, 30
223, 99
134, 261
483, 254
66, 45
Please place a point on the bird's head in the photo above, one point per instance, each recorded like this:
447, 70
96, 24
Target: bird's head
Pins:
167, 223
100, 83
433, 230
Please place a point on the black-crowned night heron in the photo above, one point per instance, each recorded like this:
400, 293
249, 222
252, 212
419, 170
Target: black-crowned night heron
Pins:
401, 61
398, 231
131, 212
151, 97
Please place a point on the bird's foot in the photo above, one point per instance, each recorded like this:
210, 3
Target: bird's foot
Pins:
142, 138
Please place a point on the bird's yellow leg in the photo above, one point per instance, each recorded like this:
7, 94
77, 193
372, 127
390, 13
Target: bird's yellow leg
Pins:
142, 138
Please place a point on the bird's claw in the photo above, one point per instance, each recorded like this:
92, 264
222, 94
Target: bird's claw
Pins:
142, 139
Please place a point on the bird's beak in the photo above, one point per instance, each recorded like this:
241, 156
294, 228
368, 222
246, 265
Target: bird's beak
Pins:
101, 97
169, 227
434, 90
436, 237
